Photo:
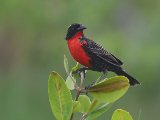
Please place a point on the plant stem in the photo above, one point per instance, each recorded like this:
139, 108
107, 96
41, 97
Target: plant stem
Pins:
79, 90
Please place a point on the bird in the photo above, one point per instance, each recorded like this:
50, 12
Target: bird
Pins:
92, 55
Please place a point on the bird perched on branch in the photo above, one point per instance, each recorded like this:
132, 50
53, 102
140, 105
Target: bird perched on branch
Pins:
92, 55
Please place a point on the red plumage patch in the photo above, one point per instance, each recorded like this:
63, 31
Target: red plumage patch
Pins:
84, 43
77, 50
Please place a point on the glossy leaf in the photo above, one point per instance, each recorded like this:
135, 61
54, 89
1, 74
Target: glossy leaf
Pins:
98, 112
82, 104
120, 114
85, 103
60, 97
110, 89
70, 82
77, 66
93, 105
76, 106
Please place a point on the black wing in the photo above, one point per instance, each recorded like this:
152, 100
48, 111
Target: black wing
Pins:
100, 52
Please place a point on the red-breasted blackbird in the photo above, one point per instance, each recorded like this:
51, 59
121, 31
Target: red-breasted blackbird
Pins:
92, 55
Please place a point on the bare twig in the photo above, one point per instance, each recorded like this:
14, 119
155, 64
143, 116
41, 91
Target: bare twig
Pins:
79, 89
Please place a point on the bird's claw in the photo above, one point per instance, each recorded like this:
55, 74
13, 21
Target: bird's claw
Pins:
87, 87
78, 71
90, 85
74, 72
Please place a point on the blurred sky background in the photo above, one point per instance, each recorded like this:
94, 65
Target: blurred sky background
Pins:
32, 45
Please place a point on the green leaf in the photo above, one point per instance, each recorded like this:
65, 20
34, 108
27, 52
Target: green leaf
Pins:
66, 66
60, 97
93, 105
76, 106
110, 89
120, 114
70, 82
77, 66
82, 104
85, 103
98, 112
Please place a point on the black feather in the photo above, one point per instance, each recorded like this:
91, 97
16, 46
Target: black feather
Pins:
102, 60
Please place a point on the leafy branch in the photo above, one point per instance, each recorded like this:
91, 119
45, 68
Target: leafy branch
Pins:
103, 95
79, 90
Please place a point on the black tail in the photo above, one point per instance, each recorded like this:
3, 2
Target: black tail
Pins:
132, 80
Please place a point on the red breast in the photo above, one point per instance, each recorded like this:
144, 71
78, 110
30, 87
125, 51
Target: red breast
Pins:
77, 50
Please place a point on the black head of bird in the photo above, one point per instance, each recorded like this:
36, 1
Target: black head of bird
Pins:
73, 29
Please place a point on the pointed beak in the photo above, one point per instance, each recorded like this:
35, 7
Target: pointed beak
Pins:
82, 27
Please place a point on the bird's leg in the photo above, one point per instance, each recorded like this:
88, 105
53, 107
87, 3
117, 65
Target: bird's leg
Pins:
81, 70
104, 74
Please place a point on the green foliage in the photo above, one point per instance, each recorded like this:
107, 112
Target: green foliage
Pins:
76, 106
84, 102
98, 111
60, 97
120, 114
70, 82
110, 89
32, 44
76, 67
104, 94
